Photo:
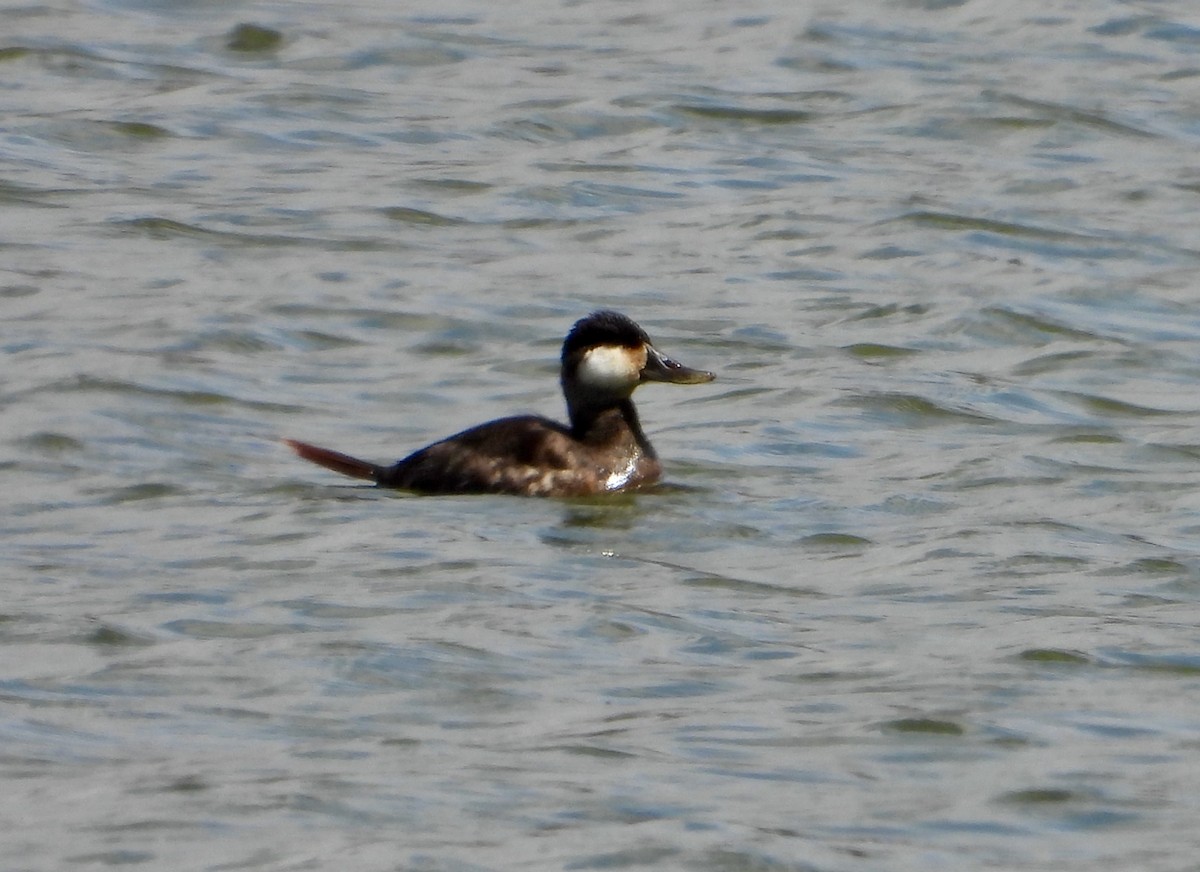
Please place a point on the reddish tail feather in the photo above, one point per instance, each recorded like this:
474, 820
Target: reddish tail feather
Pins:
335, 460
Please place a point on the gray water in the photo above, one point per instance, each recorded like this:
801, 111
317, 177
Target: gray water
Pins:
923, 592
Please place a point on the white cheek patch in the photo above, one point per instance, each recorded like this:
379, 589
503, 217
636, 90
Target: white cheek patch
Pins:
609, 367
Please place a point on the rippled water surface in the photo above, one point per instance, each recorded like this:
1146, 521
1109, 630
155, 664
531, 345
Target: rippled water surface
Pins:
924, 594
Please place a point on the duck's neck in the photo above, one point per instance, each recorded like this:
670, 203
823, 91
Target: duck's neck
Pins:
610, 426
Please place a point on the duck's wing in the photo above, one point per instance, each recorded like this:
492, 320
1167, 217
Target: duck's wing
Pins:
525, 455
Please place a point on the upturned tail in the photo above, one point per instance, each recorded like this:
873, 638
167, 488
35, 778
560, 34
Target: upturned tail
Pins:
335, 460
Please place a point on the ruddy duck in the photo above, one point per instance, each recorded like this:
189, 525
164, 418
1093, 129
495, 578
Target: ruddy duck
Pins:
604, 357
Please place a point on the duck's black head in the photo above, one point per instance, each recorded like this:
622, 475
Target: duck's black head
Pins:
603, 329
606, 355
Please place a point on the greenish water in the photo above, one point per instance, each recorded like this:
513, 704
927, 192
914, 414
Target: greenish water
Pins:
923, 592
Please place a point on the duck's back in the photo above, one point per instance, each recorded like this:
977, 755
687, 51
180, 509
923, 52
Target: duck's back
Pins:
527, 455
